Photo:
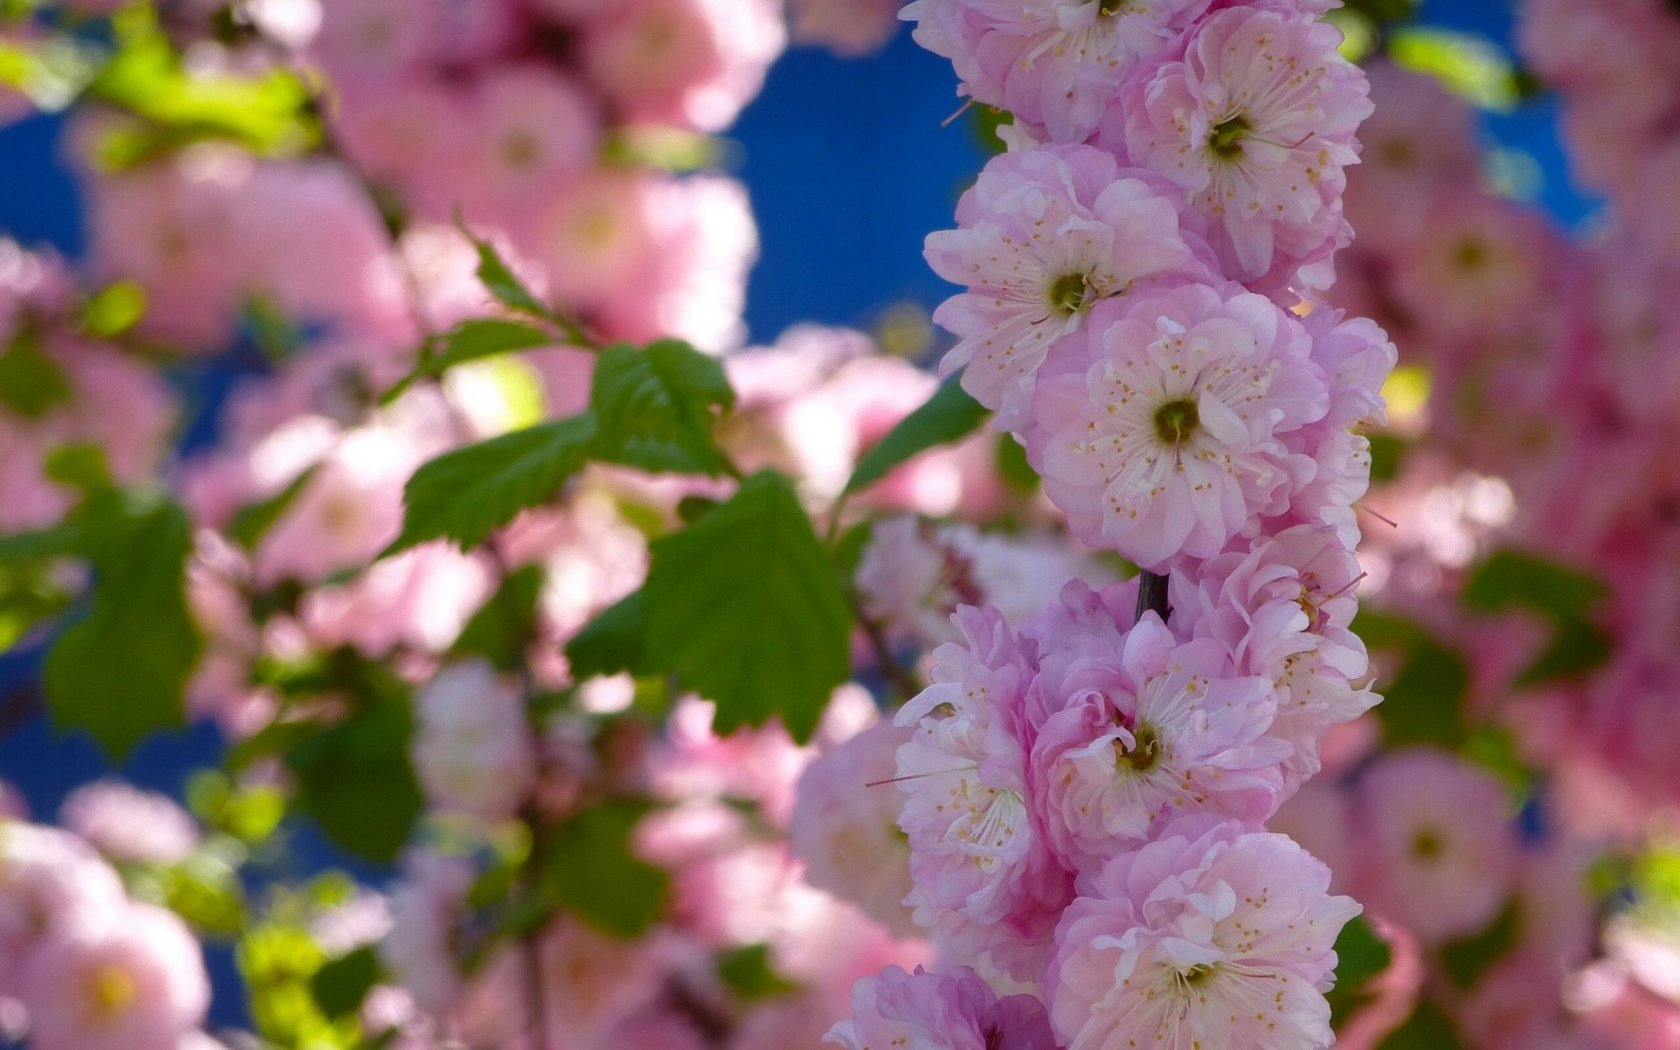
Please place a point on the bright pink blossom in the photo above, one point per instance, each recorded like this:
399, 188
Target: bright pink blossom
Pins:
1053, 63
1168, 444
932, 1011
1256, 123
1206, 938
1042, 237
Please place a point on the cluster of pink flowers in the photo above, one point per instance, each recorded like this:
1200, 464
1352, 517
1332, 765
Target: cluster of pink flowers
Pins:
1085, 790
85, 967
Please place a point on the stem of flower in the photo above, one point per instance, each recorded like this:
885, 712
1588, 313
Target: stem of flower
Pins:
1152, 596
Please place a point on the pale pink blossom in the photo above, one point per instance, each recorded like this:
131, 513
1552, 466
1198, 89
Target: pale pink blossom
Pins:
532, 126
1206, 937
1042, 237
689, 63
1256, 124
846, 27
128, 824
473, 748
1054, 63
52, 884
137, 984
427, 908
1436, 844
985, 880
1168, 443
925, 1011
1140, 733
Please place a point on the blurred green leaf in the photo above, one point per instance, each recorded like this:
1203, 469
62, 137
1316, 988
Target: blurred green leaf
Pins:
948, 416
612, 642
341, 984
206, 893
355, 779
1361, 957
1512, 579
121, 671
747, 972
1423, 700
593, 871
1427, 1029
251, 522
31, 384
1466, 959
505, 626
746, 608
114, 309
468, 493
1471, 66
1577, 649
81, 467
1017, 473
657, 407
471, 340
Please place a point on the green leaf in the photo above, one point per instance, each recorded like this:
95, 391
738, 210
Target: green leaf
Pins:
114, 309
612, 642
1467, 958
499, 280
341, 984
1468, 65
206, 892
747, 972
31, 384
1423, 700
1361, 957
355, 779
466, 494
1388, 452
593, 871
121, 671
81, 467
658, 406
746, 607
1577, 649
1427, 1029
472, 340
1012, 463
252, 522
949, 415
504, 627
1511, 579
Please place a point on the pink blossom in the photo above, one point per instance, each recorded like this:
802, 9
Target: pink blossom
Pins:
408, 134
985, 880
426, 908
52, 885
473, 749
689, 63
845, 826
1206, 937
1168, 443
127, 824
932, 1011
1054, 63
846, 27
421, 598
1256, 123
1042, 237
1139, 733
532, 126
137, 984
1436, 848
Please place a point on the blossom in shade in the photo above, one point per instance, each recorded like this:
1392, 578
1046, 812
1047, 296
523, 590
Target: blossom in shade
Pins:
1210, 936
986, 882
1256, 123
1144, 731
1043, 236
474, 751
1053, 63
136, 984
128, 824
1168, 443
1436, 843
939, 1011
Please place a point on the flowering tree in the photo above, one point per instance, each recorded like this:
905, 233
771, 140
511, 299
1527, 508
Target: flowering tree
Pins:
582, 679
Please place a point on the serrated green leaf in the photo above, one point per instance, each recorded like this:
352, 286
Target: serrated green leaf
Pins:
1512, 579
252, 522
746, 608
949, 415
472, 340
747, 972
657, 407
121, 671
611, 643
466, 494
594, 873
501, 282
31, 384
501, 630
356, 781
341, 984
